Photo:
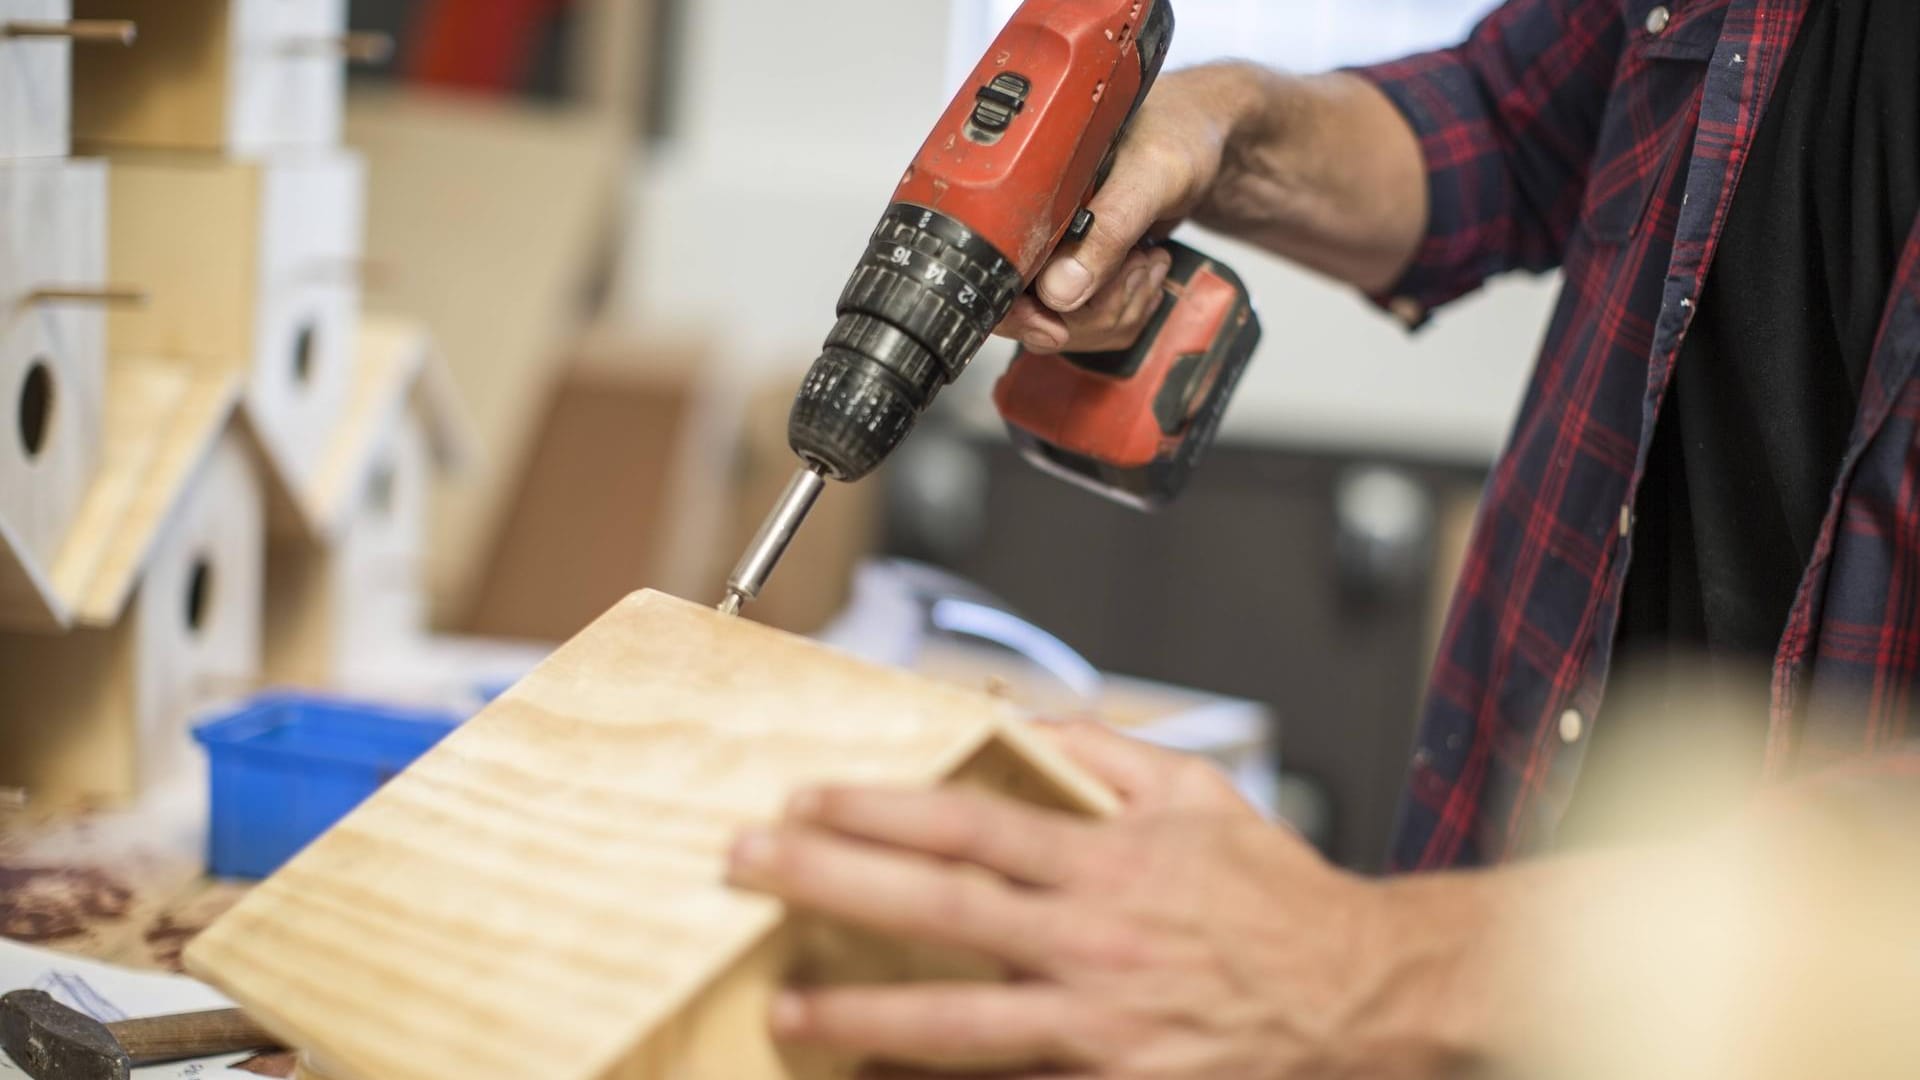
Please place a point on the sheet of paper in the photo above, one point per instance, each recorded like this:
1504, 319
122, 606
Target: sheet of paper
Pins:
108, 993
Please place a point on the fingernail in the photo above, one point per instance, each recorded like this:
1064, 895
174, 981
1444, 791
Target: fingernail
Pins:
789, 1013
1042, 340
1135, 282
1159, 274
1066, 284
752, 850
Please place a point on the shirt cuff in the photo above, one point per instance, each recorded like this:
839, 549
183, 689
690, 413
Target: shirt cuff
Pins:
1446, 266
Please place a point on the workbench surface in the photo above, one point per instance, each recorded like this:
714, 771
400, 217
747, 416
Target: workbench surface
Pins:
125, 886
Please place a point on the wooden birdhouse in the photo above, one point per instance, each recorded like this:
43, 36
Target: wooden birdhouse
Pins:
244, 77
543, 893
250, 267
52, 262
350, 596
161, 575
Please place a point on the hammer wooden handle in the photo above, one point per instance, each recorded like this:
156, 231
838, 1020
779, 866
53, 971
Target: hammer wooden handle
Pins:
189, 1035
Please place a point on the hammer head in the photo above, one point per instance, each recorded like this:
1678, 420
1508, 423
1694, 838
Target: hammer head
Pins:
52, 1042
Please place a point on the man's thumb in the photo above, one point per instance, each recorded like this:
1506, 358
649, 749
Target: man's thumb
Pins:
1121, 216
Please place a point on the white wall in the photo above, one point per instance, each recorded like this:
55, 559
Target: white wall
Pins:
798, 122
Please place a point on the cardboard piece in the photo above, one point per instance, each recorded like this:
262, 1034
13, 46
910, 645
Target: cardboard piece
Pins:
594, 512
543, 892
653, 467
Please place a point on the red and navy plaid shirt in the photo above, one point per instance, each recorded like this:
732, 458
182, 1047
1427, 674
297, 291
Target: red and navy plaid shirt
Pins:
1606, 137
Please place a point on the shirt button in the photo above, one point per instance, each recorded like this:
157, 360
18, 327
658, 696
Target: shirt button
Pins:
1407, 310
1626, 521
1572, 725
1658, 18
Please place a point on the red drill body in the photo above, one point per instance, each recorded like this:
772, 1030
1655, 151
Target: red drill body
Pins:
1020, 191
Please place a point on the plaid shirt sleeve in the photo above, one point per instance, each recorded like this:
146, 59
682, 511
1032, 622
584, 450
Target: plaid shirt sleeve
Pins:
1507, 122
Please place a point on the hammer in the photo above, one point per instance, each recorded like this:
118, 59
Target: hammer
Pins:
52, 1042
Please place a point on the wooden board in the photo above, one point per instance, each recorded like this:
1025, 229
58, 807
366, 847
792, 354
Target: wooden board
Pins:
51, 355
544, 890
251, 77
250, 268
34, 74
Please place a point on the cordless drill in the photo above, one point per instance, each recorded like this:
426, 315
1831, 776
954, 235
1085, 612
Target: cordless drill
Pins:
1004, 181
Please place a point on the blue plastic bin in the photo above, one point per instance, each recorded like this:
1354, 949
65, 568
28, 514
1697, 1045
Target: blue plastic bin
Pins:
284, 768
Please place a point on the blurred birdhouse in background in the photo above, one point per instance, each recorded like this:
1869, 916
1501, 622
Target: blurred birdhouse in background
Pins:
159, 582
347, 600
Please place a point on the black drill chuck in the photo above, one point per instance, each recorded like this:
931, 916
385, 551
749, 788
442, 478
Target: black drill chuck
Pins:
924, 298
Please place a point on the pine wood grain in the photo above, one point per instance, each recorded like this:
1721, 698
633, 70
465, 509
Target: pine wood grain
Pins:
543, 893
241, 76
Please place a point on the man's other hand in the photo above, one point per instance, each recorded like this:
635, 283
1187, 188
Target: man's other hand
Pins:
1184, 938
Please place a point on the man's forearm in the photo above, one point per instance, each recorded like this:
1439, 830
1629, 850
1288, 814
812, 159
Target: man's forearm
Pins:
1322, 169
1753, 944
1454, 976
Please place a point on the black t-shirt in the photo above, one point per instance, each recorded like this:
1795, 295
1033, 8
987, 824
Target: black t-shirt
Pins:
1764, 394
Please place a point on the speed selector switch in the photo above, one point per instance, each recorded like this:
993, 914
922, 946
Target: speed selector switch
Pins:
999, 102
